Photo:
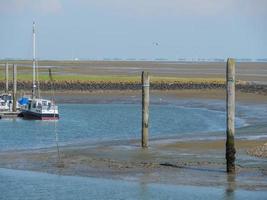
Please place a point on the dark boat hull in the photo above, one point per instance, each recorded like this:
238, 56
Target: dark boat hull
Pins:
38, 116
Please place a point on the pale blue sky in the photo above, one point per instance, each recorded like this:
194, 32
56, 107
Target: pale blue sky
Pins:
130, 28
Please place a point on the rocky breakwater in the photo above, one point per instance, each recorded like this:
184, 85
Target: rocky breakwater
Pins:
259, 151
135, 85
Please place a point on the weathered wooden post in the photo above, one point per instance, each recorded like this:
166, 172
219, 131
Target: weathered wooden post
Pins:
14, 95
230, 107
6, 78
145, 109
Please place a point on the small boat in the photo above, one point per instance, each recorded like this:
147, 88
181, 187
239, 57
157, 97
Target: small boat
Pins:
41, 109
6, 102
36, 107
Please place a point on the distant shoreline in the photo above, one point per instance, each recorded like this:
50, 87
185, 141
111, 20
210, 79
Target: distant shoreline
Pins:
202, 60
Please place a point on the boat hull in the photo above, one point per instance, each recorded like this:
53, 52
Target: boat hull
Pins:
38, 116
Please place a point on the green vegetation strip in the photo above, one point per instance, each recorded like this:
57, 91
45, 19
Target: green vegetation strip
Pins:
115, 79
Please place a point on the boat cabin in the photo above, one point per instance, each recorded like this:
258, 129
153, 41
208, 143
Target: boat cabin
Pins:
42, 106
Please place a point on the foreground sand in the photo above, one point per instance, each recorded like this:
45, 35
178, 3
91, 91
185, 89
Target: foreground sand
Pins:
199, 163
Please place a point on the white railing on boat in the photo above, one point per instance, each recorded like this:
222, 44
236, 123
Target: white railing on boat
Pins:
49, 107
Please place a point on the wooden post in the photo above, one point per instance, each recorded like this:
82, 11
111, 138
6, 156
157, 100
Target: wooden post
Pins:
14, 95
145, 108
6, 78
230, 106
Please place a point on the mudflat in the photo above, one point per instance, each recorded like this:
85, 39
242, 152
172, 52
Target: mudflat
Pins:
192, 162
119, 95
245, 71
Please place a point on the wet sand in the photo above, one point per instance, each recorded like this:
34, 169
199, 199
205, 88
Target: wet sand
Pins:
101, 96
181, 163
168, 160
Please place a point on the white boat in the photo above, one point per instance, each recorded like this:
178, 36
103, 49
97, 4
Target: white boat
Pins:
41, 109
37, 107
6, 102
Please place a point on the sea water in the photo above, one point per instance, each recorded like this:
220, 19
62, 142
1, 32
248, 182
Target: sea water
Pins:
98, 122
114, 121
25, 185
118, 121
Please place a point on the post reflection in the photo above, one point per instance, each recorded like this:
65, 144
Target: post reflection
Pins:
231, 187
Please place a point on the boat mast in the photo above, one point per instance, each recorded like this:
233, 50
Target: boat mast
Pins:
33, 62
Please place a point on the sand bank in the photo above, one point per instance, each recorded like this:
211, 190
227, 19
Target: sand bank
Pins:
101, 96
192, 162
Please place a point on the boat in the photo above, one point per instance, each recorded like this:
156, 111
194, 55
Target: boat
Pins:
41, 109
35, 107
5, 102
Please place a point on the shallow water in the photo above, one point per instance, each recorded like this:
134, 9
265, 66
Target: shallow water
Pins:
118, 120
15, 184
113, 121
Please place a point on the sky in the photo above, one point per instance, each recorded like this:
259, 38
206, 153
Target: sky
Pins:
128, 29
